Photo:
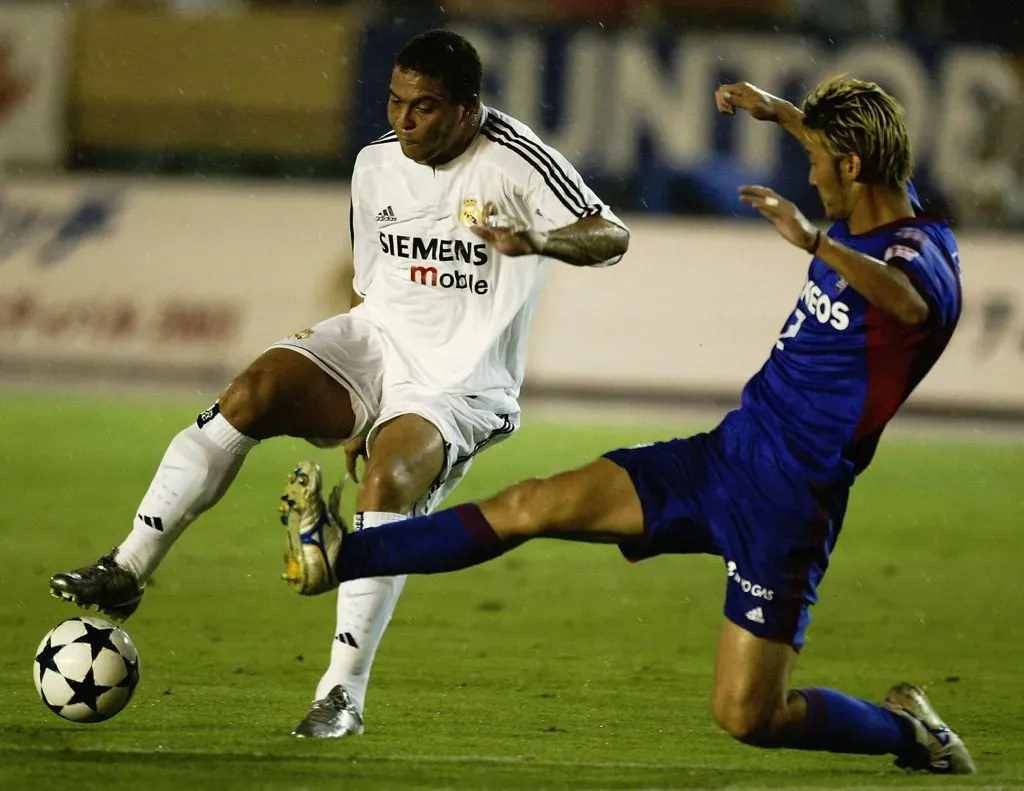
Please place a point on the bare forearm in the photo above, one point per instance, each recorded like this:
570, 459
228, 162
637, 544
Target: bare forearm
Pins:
790, 117
590, 241
887, 288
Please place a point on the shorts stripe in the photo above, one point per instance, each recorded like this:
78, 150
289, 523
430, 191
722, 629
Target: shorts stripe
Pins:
506, 427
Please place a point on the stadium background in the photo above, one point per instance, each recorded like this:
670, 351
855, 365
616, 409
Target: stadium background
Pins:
173, 198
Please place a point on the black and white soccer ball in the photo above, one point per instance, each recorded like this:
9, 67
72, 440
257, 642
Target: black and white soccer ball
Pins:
86, 669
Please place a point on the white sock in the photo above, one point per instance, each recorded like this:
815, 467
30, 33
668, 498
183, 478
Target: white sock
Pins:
365, 608
197, 468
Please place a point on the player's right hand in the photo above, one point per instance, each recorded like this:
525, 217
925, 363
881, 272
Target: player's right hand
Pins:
744, 96
354, 448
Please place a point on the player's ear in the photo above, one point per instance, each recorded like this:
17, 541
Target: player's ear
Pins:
850, 167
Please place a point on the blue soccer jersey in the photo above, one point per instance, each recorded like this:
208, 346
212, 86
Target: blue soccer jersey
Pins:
841, 367
767, 489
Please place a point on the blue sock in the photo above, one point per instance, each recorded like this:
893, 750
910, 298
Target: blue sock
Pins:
449, 540
841, 724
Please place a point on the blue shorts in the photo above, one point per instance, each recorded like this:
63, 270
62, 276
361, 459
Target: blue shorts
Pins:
725, 492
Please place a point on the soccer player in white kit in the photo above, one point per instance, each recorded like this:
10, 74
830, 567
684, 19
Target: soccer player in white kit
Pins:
456, 215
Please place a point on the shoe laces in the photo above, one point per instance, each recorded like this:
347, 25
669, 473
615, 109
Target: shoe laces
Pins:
933, 752
101, 568
326, 710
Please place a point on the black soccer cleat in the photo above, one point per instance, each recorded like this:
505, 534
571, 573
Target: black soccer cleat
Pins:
103, 587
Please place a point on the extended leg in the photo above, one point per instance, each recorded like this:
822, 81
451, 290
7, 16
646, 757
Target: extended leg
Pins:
596, 503
281, 393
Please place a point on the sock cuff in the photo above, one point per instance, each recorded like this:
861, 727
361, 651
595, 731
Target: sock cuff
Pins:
817, 708
476, 524
366, 519
224, 435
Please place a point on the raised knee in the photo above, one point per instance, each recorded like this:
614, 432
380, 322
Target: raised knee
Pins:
249, 399
384, 487
744, 722
530, 508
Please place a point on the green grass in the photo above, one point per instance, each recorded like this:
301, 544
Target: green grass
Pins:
558, 666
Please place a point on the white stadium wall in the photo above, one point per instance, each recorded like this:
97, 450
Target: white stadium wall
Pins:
120, 281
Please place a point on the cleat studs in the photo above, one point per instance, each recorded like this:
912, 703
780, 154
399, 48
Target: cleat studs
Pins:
293, 571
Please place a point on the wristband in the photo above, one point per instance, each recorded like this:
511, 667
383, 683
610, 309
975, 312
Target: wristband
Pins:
813, 249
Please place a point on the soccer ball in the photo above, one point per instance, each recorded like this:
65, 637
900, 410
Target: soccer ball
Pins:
86, 669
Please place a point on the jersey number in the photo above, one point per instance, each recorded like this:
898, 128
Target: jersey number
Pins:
792, 329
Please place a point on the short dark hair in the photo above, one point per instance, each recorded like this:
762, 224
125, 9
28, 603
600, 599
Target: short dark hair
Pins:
448, 57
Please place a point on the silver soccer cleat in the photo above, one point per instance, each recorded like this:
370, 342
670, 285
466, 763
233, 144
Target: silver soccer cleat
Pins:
314, 531
941, 751
331, 718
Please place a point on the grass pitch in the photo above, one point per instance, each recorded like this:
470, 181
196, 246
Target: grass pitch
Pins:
559, 666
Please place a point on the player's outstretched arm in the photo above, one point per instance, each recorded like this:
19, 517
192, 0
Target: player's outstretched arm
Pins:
886, 287
760, 105
591, 241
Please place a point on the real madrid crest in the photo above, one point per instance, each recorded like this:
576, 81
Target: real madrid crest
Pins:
472, 213
300, 335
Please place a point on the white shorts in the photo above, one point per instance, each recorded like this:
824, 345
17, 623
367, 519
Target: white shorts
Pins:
356, 354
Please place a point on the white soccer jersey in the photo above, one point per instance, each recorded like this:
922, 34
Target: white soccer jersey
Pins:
457, 312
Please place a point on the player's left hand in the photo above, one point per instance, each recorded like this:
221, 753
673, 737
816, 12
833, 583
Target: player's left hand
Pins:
783, 214
506, 235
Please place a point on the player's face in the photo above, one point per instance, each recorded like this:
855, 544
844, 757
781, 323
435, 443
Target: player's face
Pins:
426, 122
827, 178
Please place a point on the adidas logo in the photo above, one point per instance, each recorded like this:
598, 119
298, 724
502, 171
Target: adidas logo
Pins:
347, 639
154, 522
387, 215
755, 615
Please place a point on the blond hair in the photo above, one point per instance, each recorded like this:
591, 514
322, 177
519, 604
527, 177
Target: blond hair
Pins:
853, 116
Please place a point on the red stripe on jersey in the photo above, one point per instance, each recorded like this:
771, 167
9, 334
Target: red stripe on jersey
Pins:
898, 358
801, 559
891, 349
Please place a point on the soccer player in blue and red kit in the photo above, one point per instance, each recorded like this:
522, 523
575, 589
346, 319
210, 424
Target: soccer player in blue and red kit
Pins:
767, 488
